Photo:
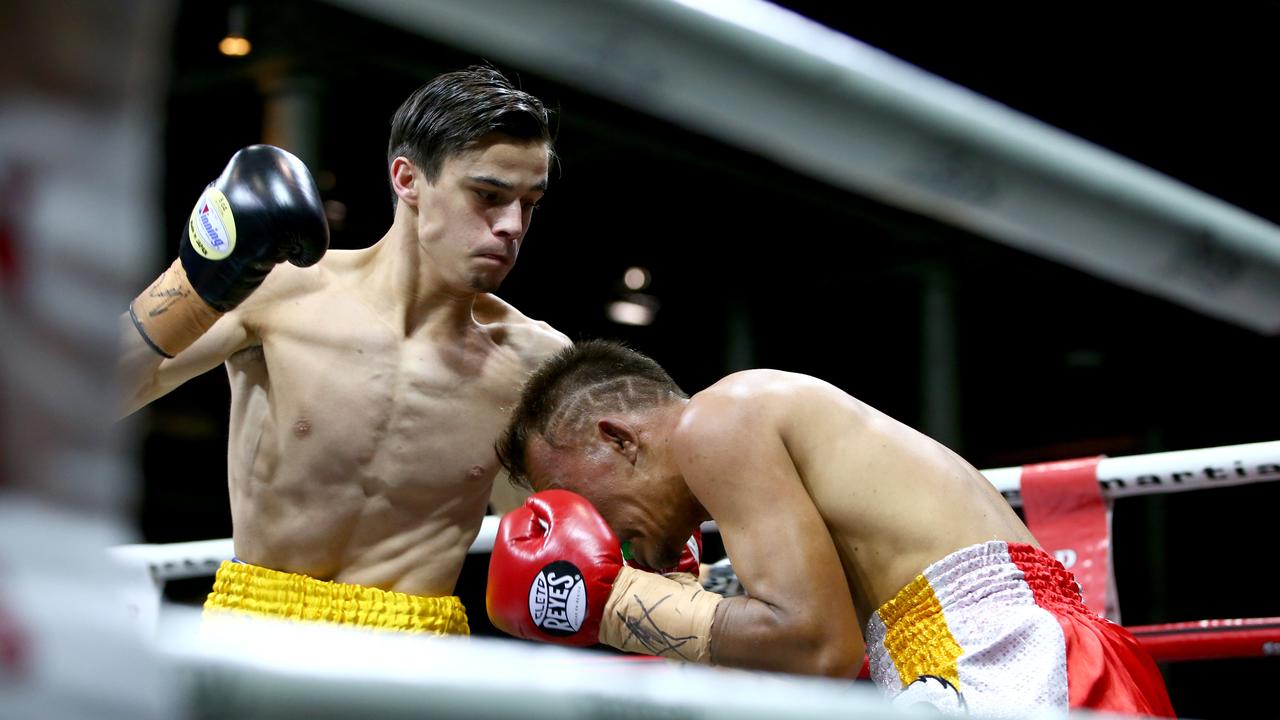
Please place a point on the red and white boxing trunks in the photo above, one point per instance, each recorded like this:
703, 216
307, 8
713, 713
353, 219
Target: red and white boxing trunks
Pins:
999, 629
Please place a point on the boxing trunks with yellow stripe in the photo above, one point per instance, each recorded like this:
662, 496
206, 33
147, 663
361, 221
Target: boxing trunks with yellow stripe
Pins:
999, 629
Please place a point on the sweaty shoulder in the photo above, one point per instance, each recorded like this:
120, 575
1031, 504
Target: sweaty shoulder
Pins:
533, 340
745, 403
717, 417
755, 390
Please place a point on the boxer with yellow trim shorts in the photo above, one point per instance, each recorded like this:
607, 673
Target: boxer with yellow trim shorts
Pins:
842, 523
1000, 625
367, 386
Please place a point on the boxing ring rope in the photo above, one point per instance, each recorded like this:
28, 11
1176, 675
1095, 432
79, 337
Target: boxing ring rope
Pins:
201, 558
1167, 472
255, 668
1211, 639
760, 77
1116, 477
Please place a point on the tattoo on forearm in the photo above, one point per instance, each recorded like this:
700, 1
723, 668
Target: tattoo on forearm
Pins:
167, 295
646, 631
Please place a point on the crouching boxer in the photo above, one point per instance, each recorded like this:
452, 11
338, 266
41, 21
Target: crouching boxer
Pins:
848, 530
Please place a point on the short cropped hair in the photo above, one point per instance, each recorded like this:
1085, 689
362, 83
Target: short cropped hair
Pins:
448, 114
570, 390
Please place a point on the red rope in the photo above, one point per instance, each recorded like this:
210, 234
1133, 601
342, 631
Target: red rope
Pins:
1211, 639
1174, 642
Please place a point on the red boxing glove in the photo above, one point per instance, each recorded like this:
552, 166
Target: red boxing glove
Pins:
690, 558
552, 569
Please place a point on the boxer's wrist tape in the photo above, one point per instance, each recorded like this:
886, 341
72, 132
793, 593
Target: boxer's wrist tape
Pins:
683, 578
656, 615
170, 315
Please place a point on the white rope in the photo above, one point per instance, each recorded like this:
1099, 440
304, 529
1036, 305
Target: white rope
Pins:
201, 558
760, 77
1167, 472
1119, 477
249, 668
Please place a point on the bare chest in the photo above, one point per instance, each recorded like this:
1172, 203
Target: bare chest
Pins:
399, 414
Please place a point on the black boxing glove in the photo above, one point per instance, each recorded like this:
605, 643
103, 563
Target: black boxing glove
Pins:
262, 210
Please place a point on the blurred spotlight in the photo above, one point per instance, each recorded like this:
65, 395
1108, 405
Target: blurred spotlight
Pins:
634, 309
629, 313
235, 44
636, 278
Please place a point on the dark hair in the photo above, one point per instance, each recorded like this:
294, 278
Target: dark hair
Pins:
455, 109
570, 390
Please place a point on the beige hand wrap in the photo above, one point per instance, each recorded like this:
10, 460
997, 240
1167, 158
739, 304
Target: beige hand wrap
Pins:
656, 615
170, 315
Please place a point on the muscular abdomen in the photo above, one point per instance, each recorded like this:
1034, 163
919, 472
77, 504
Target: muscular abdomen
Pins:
378, 478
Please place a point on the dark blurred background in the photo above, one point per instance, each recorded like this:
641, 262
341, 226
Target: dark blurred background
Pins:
1006, 357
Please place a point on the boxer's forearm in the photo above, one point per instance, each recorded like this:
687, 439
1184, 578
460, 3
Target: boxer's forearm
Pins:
751, 633
137, 365
142, 374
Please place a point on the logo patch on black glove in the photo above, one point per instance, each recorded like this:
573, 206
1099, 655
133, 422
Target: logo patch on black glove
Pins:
558, 599
212, 229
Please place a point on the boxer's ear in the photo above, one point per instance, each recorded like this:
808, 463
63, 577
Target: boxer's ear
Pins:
621, 436
404, 182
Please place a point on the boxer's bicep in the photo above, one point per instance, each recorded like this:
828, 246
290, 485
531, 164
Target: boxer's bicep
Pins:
798, 614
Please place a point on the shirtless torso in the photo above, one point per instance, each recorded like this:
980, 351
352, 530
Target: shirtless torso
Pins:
359, 452
366, 455
367, 390
828, 508
891, 499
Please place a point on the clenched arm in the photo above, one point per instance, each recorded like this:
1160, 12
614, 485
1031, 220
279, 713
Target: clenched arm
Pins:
185, 323
799, 615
